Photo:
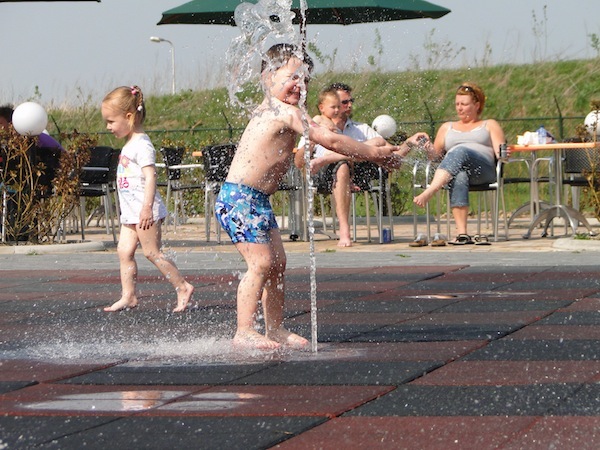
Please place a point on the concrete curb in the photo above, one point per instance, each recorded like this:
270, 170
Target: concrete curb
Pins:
569, 243
76, 247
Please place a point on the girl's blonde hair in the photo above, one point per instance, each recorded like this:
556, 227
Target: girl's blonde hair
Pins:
129, 99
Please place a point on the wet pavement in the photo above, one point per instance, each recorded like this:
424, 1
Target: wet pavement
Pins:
472, 347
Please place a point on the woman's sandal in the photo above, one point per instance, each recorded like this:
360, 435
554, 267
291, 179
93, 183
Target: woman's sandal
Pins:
462, 239
420, 241
439, 240
481, 239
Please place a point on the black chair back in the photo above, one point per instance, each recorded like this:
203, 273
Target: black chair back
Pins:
364, 173
217, 160
50, 159
102, 166
172, 156
581, 160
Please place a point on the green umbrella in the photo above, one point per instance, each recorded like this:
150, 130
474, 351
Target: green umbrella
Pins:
342, 12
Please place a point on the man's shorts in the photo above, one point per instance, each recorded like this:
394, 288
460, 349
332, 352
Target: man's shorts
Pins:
324, 180
245, 213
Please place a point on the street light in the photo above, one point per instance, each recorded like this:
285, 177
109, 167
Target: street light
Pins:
158, 40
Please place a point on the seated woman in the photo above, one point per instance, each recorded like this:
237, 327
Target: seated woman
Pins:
469, 147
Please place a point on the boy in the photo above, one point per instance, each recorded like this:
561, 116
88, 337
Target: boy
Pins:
263, 157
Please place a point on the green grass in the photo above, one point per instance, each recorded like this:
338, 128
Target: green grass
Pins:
521, 97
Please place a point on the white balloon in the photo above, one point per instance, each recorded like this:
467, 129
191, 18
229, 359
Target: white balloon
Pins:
29, 119
592, 120
385, 125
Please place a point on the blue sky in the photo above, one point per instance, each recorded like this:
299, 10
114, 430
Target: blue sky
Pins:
76, 51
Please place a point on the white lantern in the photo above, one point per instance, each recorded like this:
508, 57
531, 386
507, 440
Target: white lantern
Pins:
30, 119
385, 126
592, 120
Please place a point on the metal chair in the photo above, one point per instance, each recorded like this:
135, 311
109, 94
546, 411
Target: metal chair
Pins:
292, 188
578, 165
98, 179
373, 180
498, 198
173, 158
217, 160
421, 182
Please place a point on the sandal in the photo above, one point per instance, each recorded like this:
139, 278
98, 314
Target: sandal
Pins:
462, 239
420, 241
481, 239
439, 240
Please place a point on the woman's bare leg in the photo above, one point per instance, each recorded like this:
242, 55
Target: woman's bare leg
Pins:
440, 179
461, 216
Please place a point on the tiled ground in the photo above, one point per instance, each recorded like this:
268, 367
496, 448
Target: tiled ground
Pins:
408, 357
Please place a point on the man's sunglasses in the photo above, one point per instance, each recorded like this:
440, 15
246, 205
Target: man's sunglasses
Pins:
345, 102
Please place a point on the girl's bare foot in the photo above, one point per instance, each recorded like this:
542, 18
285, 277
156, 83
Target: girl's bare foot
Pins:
254, 340
121, 305
289, 339
183, 297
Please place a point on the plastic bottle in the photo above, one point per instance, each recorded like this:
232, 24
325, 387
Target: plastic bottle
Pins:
542, 135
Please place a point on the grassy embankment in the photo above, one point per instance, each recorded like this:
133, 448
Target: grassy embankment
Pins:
520, 97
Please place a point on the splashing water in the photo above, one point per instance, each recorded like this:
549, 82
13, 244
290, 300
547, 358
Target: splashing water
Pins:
260, 24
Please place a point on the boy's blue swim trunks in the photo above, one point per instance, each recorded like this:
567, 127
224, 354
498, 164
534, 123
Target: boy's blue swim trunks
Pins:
245, 213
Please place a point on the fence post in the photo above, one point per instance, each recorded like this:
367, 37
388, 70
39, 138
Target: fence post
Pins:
431, 121
561, 130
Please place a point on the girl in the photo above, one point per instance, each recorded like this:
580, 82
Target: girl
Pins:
142, 209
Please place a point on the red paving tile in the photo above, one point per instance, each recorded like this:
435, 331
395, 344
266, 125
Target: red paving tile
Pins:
62, 399
237, 401
585, 304
409, 433
557, 332
496, 373
573, 432
349, 286
240, 401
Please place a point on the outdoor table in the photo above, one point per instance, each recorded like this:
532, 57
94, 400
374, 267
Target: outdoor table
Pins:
558, 209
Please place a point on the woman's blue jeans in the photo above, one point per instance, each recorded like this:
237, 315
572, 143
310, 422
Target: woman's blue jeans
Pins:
467, 167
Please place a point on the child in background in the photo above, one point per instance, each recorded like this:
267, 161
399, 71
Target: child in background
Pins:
142, 209
263, 157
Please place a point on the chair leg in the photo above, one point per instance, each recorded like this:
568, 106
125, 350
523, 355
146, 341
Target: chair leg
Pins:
207, 212
82, 216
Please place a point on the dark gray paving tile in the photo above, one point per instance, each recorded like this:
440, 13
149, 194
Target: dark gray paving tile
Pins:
165, 432
553, 283
8, 386
537, 350
393, 305
584, 402
437, 332
166, 375
321, 373
530, 400
28, 432
572, 318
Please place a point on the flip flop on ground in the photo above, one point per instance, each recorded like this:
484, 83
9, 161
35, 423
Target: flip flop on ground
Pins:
462, 239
